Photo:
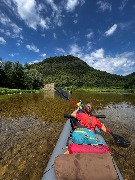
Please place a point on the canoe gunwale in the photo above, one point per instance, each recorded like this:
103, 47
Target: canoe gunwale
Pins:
60, 149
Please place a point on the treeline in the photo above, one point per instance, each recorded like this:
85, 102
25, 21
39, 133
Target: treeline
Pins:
64, 71
16, 76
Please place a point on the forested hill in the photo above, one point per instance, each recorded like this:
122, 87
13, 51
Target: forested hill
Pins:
70, 71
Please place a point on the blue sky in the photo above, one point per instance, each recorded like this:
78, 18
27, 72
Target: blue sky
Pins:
100, 32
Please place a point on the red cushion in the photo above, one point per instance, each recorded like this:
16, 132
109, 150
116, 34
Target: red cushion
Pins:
97, 149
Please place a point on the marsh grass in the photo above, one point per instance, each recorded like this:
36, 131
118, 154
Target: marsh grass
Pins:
115, 90
4, 91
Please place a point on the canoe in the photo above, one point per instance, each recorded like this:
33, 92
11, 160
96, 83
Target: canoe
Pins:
60, 149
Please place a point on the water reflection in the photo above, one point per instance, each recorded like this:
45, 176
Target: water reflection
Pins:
31, 123
49, 94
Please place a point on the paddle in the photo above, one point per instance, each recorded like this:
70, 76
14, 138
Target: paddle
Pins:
64, 95
118, 139
96, 115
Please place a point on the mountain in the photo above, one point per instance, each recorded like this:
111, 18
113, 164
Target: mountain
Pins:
130, 81
67, 71
132, 75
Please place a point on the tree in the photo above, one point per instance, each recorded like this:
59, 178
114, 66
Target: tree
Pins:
26, 66
0, 62
17, 76
32, 79
7, 68
2, 74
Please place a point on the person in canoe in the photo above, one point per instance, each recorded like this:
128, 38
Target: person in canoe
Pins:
84, 132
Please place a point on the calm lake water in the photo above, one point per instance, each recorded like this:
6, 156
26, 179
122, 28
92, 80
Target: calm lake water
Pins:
30, 125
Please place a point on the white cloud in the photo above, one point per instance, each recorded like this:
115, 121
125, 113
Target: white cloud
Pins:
27, 12
7, 33
127, 25
32, 48
75, 21
43, 23
46, 14
43, 55
15, 28
13, 54
121, 62
19, 42
98, 54
52, 4
9, 28
4, 19
1, 30
110, 31
60, 50
75, 50
76, 15
54, 35
71, 4
124, 2
89, 45
43, 35
57, 18
56, 14
103, 6
36, 61
2, 40
89, 35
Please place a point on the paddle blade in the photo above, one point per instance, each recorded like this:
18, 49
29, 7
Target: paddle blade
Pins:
121, 141
124, 144
61, 93
118, 138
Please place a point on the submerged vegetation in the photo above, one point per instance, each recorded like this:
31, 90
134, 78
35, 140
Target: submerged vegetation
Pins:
68, 72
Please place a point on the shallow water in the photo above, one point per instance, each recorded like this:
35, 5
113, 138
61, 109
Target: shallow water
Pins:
30, 125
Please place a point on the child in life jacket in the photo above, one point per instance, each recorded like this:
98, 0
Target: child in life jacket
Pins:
86, 134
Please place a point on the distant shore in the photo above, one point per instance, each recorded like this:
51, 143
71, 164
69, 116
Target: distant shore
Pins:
7, 91
115, 90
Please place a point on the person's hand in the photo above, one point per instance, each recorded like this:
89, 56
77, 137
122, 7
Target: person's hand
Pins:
80, 105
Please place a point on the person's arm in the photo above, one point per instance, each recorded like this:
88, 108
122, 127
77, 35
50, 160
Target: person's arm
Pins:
74, 113
100, 125
103, 128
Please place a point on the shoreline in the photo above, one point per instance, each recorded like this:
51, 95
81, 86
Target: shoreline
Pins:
7, 91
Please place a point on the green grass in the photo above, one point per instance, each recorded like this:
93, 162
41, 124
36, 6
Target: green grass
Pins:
4, 91
116, 90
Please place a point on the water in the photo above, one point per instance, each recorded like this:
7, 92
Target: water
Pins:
30, 125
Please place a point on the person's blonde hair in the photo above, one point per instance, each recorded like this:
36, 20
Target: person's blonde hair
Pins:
88, 108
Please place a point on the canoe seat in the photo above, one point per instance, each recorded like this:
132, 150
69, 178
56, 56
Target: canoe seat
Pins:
84, 167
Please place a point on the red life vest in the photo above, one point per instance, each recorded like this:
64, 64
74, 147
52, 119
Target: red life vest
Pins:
88, 121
